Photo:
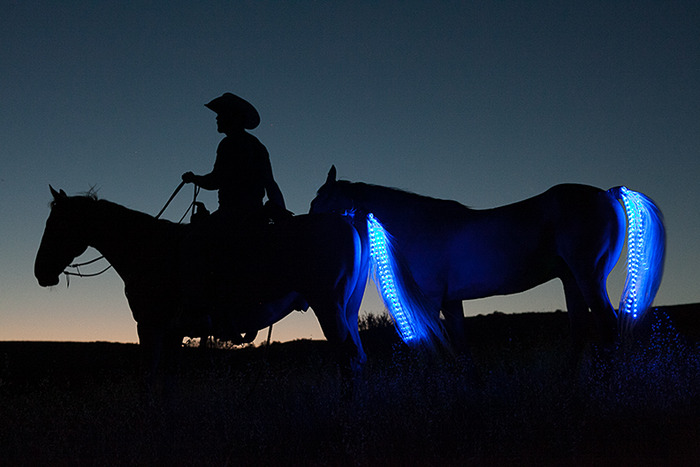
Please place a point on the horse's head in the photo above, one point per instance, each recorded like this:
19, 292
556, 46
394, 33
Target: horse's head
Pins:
331, 198
64, 238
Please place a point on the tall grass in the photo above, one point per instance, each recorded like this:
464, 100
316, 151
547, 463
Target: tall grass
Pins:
282, 404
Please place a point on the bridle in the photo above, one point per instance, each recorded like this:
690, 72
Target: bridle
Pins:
77, 266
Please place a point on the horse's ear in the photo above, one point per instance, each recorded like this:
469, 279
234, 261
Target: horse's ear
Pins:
57, 194
332, 174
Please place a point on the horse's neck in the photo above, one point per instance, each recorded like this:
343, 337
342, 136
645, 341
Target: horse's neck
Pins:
120, 233
388, 205
407, 213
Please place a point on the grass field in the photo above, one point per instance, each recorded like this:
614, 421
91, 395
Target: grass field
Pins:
78, 403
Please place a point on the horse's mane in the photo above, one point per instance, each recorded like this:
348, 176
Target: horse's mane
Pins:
90, 195
111, 209
426, 204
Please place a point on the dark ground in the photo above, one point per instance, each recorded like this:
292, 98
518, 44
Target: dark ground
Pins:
79, 403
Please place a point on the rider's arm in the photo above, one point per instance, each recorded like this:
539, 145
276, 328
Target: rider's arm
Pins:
274, 193
272, 190
212, 180
209, 181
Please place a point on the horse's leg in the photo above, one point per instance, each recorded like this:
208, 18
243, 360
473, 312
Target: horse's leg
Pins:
331, 317
593, 290
151, 350
454, 322
352, 307
591, 255
203, 341
158, 355
352, 311
172, 344
604, 313
334, 325
577, 310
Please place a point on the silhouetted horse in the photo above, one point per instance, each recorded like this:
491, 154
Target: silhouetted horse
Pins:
449, 253
248, 286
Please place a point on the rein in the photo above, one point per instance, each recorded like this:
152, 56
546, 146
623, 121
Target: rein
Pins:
77, 266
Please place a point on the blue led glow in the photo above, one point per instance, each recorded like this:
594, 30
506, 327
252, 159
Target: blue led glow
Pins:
417, 319
381, 261
645, 253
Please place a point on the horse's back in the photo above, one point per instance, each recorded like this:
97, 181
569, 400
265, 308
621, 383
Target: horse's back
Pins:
515, 247
564, 206
579, 220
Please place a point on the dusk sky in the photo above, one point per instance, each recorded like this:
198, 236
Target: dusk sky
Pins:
486, 103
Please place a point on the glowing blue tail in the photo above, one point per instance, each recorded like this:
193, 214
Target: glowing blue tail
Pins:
646, 245
416, 323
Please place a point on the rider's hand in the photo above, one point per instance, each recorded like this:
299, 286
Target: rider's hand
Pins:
188, 177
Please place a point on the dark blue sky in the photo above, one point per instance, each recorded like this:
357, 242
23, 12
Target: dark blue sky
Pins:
482, 102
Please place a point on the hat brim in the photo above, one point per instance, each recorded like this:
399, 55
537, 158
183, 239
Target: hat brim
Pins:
232, 105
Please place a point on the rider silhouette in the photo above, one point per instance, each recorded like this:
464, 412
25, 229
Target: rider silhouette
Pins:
242, 171
226, 244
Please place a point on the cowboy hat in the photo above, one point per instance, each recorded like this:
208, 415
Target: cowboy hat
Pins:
230, 104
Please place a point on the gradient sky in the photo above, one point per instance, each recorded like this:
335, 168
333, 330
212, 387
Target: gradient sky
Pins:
486, 103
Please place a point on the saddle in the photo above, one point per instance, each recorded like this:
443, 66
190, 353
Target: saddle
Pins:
230, 254
271, 214
229, 257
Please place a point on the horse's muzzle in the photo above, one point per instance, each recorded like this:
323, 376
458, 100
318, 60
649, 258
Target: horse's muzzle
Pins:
47, 281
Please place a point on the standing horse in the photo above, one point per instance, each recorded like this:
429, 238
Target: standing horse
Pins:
314, 256
449, 253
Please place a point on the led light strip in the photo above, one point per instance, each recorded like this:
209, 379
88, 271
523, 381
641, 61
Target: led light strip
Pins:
379, 253
634, 207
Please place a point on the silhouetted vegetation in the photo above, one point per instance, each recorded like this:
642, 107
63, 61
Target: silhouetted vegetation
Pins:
281, 404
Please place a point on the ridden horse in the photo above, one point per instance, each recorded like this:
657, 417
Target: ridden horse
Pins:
449, 253
308, 258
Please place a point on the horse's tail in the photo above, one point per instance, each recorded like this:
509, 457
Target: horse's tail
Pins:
646, 245
415, 320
